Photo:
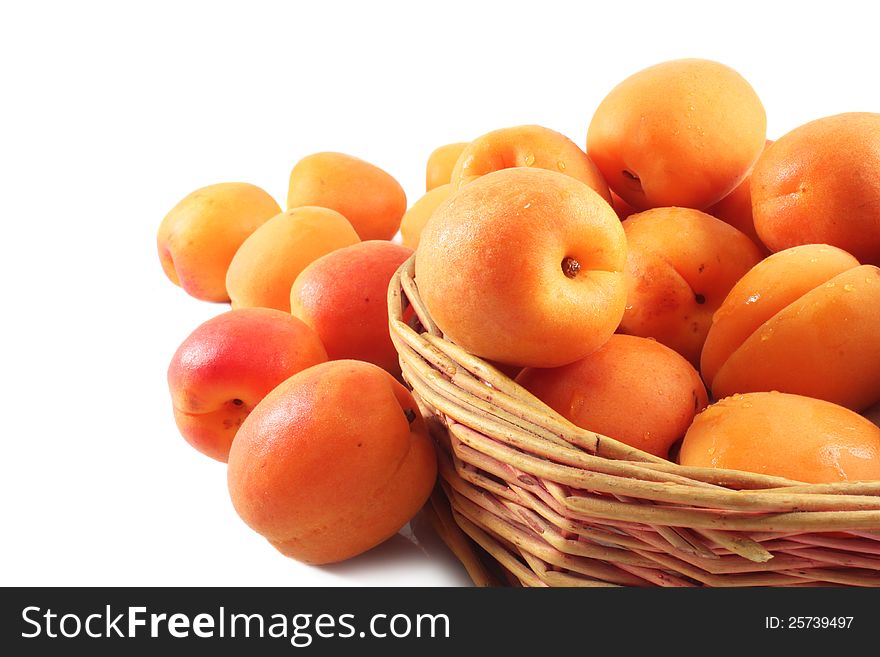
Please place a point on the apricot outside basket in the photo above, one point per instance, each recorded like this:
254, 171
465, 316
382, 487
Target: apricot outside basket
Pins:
524, 497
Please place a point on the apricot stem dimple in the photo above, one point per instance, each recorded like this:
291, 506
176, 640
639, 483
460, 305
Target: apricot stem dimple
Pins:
700, 299
237, 402
570, 267
632, 180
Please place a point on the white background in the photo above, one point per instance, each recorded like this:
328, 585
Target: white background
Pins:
112, 112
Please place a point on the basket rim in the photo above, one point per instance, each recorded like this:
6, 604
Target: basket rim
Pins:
403, 294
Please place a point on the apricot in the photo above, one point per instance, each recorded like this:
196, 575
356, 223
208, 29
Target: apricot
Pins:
527, 146
680, 265
632, 389
417, 216
200, 234
818, 184
441, 161
680, 133
228, 364
332, 462
369, 197
621, 207
784, 435
524, 266
343, 297
736, 209
267, 263
802, 321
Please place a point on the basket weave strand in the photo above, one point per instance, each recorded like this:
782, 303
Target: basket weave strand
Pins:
552, 504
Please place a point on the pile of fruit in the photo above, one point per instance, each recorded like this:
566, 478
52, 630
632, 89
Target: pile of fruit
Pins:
683, 285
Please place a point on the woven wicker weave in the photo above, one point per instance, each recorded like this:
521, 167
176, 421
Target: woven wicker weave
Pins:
555, 505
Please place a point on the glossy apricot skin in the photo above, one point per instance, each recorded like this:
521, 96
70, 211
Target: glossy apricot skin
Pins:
632, 389
199, 236
418, 214
342, 296
493, 268
681, 133
441, 161
818, 184
332, 462
680, 265
803, 321
370, 198
784, 435
527, 146
268, 262
228, 364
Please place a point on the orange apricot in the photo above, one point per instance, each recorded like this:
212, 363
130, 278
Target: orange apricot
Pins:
417, 216
343, 297
267, 263
784, 435
621, 207
527, 146
524, 266
680, 133
199, 236
632, 389
736, 210
228, 364
680, 265
332, 462
802, 321
370, 198
442, 160
818, 184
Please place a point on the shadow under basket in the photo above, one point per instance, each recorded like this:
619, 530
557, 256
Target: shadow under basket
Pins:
524, 497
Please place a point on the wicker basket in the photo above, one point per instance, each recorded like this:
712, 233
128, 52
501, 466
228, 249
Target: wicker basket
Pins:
554, 505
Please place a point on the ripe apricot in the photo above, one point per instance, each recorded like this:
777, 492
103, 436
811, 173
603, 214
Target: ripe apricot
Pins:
228, 364
736, 209
784, 435
370, 198
268, 261
818, 184
441, 161
527, 146
680, 265
680, 133
417, 216
621, 207
332, 462
524, 266
199, 236
632, 389
803, 321
343, 297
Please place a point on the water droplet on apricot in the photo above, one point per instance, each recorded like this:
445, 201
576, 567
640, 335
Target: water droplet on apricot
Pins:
561, 165
849, 287
530, 159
